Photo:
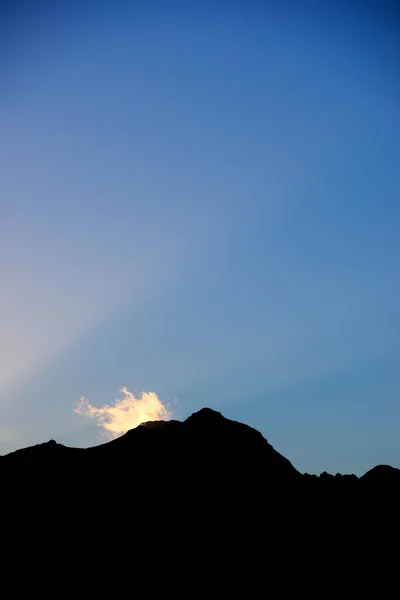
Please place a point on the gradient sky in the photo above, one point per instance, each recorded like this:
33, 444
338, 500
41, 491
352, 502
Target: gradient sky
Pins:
202, 200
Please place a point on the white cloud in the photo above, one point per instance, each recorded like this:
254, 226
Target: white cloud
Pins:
126, 413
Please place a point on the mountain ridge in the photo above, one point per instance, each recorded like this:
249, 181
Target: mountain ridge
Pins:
205, 487
205, 424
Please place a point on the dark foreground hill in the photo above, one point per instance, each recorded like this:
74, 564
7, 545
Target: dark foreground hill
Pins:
207, 449
207, 500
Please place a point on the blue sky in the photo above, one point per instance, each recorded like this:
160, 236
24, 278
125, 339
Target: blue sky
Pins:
203, 201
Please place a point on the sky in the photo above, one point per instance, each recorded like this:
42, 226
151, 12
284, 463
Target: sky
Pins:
199, 202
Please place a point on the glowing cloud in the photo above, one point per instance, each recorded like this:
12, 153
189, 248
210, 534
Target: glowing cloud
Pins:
126, 413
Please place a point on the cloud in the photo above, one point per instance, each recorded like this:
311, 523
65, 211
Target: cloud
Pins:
126, 413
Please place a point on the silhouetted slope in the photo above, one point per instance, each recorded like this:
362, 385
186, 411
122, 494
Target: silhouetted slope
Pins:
210, 495
206, 448
382, 474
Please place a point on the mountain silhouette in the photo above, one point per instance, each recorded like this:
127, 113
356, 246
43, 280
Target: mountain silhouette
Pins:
206, 447
213, 446
207, 497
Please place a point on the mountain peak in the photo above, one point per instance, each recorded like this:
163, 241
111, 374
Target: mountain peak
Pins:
205, 415
382, 473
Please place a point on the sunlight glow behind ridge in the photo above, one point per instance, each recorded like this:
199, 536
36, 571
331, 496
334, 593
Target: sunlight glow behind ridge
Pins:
126, 413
